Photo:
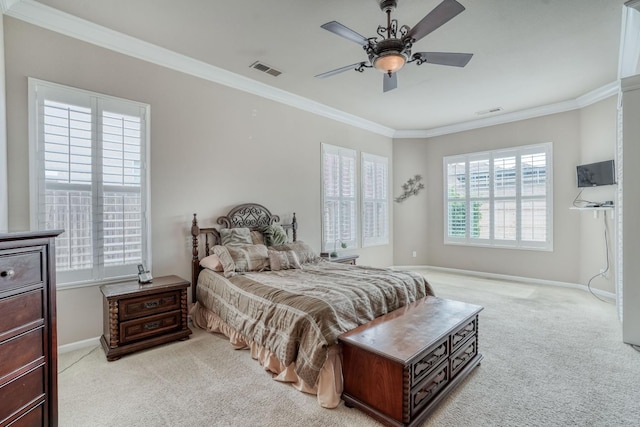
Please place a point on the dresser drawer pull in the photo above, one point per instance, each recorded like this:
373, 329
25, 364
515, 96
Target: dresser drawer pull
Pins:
151, 325
151, 304
8, 273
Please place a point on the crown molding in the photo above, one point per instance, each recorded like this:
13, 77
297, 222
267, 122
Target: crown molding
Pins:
60, 22
5, 5
55, 20
530, 113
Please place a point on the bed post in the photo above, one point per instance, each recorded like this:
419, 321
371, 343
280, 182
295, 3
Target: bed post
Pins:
294, 226
195, 262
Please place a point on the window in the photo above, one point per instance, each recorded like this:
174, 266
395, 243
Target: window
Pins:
375, 200
339, 224
88, 177
500, 198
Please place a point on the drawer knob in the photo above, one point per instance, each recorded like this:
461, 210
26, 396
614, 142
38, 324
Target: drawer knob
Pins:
151, 325
8, 273
151, 304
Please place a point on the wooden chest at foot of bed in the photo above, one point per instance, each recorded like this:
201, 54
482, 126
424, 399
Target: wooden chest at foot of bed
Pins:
398, 367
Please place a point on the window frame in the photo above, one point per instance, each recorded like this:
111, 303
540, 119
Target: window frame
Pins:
332, 245
378, 239
99, 272
489, 156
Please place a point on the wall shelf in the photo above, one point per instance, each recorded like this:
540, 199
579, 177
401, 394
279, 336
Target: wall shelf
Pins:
592, 208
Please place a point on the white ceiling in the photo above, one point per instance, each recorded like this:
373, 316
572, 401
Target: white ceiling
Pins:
527, 53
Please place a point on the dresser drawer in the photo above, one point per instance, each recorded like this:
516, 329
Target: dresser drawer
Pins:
133, 308
422, 394
20, 313
146, 327
20, 351
27, 388
425, 364
462, 333
20, 269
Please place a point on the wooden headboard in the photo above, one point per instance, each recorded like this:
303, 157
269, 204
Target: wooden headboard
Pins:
247, 215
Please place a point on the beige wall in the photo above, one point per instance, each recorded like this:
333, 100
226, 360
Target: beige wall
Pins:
565, 131
4, 210
597, 143
212, 147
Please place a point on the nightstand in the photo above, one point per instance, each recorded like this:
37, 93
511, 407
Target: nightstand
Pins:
140, 316
345, 259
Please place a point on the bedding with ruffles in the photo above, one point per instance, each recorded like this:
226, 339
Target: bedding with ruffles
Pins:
291, 319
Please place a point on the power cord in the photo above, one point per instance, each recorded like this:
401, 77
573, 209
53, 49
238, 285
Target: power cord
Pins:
604, 272
581, 203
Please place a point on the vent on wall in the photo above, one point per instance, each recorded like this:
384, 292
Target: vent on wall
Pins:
265, 68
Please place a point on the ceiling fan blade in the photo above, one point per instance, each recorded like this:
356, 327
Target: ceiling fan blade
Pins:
389, 82
444, 58
439, 16
340, 70
339, 29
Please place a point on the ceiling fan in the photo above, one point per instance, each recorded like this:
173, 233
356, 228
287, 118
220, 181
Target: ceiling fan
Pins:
389, 53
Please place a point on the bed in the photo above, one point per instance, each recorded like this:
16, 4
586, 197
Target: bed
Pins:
269, 292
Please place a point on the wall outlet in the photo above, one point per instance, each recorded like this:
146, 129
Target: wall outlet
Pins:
414, 254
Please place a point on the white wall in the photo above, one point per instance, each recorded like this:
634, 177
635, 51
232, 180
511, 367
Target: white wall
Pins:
212, 147
570, 146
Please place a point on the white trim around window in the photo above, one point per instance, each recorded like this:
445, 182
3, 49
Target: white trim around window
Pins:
89, 176
501, 198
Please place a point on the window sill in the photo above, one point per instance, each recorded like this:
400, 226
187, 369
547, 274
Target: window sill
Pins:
89, 284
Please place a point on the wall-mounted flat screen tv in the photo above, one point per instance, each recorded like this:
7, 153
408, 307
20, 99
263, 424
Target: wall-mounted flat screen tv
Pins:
595, 174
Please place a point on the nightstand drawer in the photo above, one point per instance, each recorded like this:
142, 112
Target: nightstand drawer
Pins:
133, 308
146, 327
20, 269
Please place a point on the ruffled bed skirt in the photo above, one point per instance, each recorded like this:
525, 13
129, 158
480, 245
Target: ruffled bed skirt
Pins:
329, 385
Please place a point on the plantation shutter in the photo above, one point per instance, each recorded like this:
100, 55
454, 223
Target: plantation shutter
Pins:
90, 181
339, 197
375, 200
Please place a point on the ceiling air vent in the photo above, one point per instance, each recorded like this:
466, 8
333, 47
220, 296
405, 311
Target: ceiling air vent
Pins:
489, 111
265, 68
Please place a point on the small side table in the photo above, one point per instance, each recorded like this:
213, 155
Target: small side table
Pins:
138, 316
345, 259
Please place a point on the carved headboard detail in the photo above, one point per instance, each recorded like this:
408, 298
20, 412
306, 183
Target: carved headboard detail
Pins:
249, 215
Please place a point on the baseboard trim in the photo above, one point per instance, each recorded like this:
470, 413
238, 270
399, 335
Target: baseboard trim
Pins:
529, 280
91, 342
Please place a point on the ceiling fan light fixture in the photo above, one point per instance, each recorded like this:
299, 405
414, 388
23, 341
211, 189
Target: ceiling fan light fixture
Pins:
390, 62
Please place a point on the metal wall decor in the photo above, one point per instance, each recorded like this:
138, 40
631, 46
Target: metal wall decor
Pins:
410, 188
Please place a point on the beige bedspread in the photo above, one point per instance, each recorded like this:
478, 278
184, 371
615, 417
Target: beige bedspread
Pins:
298, 314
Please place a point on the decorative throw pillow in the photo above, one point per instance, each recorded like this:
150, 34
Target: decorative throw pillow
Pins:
283, 260
274, 235
235, 236
303, 251
228, 266
257, 238
249, 257
212, 262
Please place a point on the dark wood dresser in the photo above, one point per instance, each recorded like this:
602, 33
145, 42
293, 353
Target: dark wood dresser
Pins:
138, 316
398, 367
28, 340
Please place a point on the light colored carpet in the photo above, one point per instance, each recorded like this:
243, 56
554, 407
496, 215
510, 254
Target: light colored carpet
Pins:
553, 357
